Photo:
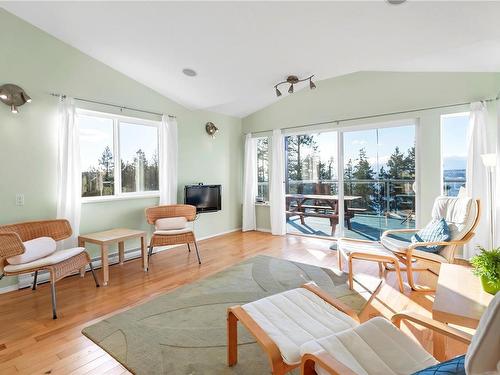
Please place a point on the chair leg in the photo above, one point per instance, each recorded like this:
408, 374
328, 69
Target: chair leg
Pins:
380, 269
35, 277
94, 275
399, 277
232, 338
189, 247
197, 252
339, 256
350, 272
411, 281
54, 302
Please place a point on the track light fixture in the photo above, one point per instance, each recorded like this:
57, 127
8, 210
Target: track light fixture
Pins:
293, 80
13, 96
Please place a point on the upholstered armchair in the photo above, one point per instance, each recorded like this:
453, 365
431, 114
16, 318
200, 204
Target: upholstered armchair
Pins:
30, 247
171, 227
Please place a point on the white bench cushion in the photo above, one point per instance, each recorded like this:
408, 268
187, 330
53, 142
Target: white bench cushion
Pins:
295, 317
375, 347
54, 258
34, 249
375, 248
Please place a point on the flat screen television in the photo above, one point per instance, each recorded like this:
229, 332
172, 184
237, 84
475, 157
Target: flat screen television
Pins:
206, 198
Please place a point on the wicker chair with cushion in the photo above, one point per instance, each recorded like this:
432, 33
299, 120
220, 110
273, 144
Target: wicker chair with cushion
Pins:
170, 226
16, 239
461, 215
378, 347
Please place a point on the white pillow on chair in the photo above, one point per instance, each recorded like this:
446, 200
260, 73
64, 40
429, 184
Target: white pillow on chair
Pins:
36, 248
170, 223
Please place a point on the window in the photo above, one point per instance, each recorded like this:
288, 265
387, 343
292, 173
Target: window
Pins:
454, 129
119, 155
263, 170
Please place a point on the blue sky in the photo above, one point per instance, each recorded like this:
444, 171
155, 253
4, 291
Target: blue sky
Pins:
454, 141
96, 133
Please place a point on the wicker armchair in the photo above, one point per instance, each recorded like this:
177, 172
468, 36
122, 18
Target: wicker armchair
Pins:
59, 264
175, 237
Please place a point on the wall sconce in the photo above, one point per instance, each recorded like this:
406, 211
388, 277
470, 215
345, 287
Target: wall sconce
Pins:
211, 129
13, 96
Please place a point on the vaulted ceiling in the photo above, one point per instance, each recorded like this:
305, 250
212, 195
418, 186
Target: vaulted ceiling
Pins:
241, 49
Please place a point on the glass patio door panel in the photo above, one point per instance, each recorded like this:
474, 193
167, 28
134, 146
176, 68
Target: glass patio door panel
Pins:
311, 184
379, 173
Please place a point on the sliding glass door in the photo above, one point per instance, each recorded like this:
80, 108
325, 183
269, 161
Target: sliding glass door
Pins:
311, 180
378, 175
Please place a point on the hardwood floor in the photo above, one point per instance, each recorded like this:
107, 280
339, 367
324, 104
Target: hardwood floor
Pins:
32, 343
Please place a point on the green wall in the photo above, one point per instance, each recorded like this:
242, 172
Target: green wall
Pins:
372, 93
41, 64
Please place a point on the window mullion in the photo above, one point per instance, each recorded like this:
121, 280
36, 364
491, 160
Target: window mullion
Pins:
116, 145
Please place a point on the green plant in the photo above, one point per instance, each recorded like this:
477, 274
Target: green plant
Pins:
487, 264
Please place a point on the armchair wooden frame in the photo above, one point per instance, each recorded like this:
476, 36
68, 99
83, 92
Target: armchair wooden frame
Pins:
409, 256
12, 237
334, 367
278, 366
168, 211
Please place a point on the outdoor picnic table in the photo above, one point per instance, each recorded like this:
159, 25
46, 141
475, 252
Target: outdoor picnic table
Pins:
326, 203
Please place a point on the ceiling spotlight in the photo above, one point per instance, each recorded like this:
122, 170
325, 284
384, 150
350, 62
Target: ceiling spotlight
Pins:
396, 2
293, 80
13, 96
189, 72
26, 97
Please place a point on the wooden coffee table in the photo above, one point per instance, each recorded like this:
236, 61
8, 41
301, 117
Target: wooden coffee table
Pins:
460, 299
112, 236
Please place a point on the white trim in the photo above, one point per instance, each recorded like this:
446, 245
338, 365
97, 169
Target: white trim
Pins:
134, 120
9, 288
266, 230
123, 196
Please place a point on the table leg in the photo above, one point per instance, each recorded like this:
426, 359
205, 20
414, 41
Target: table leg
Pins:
81, 243
438, 346
121, 252
105, 264
144, 254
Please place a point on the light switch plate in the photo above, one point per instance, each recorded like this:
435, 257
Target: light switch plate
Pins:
19, 199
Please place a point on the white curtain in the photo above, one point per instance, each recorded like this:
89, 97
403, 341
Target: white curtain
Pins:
168, 160
497, 190
477, 174
69, 178
250, 183
277, 184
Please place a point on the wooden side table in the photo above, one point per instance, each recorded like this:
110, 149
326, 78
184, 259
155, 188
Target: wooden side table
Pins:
108, 237
460, 299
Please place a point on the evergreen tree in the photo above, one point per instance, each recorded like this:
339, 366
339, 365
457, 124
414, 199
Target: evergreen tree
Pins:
295, 159
364, 174
107, 168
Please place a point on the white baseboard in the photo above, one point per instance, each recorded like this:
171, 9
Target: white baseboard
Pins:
9, 288
26, 280
263, 230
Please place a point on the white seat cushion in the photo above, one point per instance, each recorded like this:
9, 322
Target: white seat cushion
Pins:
399, 246
375, 347
295, 317
172, 231
170, 223
373, 248
459, 213
54, 258
36, 248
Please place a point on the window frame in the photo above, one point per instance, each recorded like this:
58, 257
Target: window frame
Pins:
117, 119
266, 201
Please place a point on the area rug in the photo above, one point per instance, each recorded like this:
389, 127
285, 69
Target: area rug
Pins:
184, 331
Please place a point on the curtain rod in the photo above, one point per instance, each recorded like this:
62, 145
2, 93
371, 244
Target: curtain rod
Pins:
375, 116
111, 105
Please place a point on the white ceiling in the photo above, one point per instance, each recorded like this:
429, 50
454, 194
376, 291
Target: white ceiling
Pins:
241, 49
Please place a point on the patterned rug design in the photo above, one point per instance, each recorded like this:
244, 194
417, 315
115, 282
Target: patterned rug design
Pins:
184, 331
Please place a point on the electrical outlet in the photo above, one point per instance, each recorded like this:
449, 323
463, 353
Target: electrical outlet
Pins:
19, 199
